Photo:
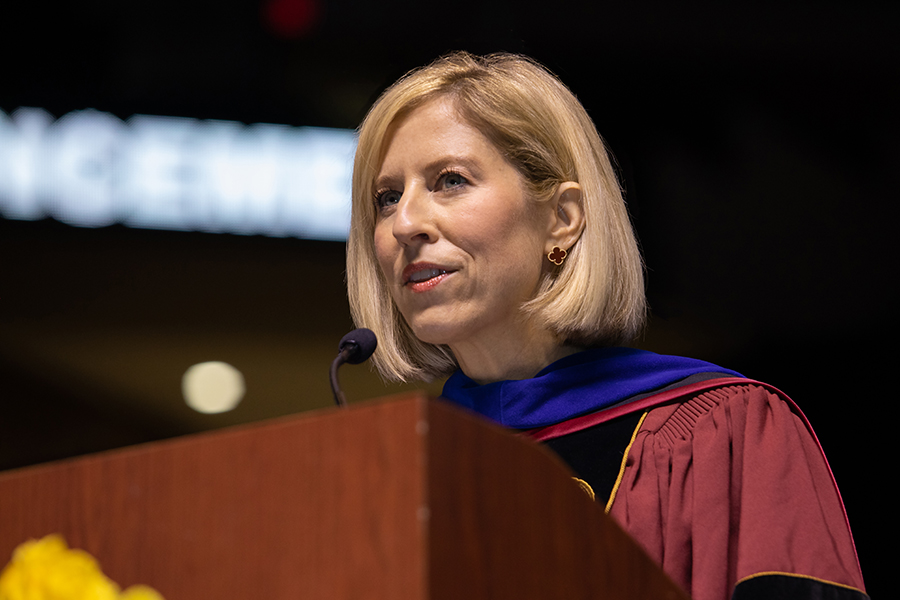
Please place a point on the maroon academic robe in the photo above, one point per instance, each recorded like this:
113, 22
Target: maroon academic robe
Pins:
729, 491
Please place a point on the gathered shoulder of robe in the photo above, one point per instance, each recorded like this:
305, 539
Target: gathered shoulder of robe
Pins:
720, 478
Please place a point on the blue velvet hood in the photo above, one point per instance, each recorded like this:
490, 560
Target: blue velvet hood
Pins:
575, 385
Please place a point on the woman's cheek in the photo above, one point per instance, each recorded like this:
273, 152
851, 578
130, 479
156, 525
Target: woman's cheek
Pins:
384, 251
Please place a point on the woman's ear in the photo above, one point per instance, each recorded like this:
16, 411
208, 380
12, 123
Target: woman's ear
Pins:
567, 220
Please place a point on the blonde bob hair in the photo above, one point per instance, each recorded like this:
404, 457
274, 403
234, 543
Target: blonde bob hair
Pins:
597, 297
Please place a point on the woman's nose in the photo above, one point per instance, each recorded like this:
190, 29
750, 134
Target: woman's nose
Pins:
414, 219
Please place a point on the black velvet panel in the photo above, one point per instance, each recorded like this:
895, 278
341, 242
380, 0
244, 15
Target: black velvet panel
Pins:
787, 587
595, 454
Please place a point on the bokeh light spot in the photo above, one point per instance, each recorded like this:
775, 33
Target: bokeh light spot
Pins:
212, 387
291, 18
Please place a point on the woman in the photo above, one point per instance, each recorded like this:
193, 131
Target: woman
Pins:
490, 241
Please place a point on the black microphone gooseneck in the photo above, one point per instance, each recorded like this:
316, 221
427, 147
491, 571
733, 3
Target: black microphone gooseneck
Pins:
355, 347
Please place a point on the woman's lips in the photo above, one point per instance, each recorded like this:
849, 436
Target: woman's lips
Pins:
420, 277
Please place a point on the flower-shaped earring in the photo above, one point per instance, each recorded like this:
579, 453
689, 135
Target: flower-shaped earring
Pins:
557, 255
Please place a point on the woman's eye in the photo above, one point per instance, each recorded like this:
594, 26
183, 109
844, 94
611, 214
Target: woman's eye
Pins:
452, 179
387, 198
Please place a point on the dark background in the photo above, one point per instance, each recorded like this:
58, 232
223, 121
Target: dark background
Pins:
757, 146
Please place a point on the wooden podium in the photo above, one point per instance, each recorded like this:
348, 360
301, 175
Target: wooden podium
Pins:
404, 498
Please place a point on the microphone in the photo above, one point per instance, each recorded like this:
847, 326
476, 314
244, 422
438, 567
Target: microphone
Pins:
355, 347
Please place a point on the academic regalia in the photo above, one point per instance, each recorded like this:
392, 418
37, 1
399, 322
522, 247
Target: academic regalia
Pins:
723, 481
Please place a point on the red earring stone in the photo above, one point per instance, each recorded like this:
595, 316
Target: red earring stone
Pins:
557, 255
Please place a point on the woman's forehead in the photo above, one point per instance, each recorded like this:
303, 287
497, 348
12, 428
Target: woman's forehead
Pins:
433, 132
444, 129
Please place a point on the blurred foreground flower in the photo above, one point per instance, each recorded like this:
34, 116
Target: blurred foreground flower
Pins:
48, 570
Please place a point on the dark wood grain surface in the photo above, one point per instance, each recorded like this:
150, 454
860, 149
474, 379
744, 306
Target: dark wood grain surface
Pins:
407, 498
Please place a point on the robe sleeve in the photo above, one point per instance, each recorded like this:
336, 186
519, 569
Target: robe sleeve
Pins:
731, 494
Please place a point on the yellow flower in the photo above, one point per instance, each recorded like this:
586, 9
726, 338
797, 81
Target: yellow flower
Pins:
47, 569
140, 592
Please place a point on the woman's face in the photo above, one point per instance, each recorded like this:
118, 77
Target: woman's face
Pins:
460, 243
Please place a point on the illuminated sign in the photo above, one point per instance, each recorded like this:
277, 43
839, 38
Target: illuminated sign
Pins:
90, 169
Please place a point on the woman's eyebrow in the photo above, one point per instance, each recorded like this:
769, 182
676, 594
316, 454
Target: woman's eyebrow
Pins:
387, 179
383, 181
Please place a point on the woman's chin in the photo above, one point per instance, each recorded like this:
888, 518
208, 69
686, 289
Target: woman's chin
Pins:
431, 336
438, 333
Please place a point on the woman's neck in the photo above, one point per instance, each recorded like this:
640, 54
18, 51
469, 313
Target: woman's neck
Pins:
499, 359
